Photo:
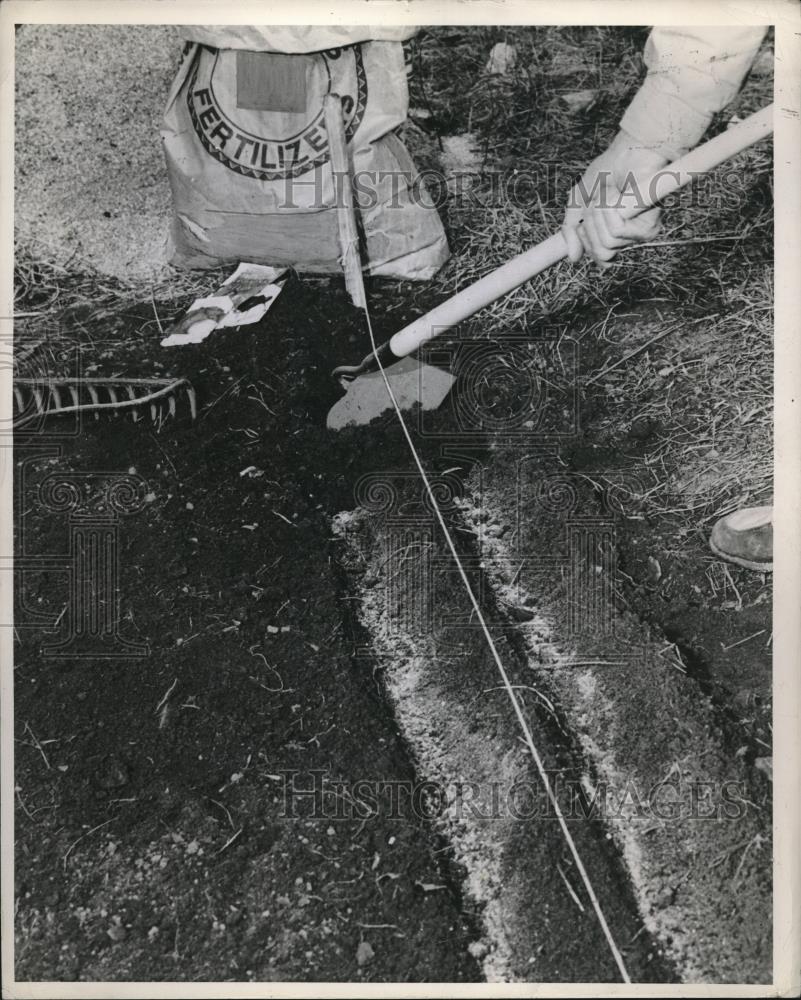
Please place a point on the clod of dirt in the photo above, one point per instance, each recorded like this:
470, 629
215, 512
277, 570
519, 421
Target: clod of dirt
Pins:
666, 897
117, 933
518, 613
580, 100
364, 953
502, 59
477, 949
765, 765
654, 570
643, 428
114, 774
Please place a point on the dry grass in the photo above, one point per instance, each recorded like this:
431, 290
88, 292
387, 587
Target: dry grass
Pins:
708, 386
44, 286
62, 310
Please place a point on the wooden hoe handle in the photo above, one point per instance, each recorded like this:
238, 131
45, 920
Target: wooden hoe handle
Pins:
525, 266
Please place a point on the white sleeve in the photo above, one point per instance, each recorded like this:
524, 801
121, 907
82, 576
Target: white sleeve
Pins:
692, 74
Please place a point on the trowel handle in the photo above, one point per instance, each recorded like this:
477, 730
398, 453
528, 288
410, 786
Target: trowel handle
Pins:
527, 265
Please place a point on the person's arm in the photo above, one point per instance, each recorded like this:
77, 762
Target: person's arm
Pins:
692, 74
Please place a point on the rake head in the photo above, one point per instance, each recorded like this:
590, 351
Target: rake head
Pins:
42, 397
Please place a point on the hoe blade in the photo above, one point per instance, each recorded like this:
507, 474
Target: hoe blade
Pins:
367, 397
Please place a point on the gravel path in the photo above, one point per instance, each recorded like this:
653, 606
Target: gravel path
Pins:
90, 177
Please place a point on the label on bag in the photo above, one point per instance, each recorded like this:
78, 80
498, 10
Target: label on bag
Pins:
249, 164
229, 93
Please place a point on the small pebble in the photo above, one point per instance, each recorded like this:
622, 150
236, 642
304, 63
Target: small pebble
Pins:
364, 953
477, 949
765, 765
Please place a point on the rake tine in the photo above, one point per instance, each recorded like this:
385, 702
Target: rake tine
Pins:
94, 397
112, 392
74, 395
154, 413
55, 395
171, 404
134, 412
19, 399
37, 395
190, 392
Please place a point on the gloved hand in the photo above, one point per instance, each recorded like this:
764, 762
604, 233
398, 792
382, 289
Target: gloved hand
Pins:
616, 179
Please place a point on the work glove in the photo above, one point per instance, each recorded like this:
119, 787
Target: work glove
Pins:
617, 179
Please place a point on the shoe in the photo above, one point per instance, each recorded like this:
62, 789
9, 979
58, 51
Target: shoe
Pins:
745, 537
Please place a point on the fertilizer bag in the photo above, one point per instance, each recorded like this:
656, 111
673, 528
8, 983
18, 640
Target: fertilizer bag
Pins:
247, 152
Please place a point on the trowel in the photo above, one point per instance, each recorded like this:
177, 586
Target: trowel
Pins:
413, 382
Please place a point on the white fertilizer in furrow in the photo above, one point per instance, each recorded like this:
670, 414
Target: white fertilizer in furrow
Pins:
446, 757
456, 717
695, 878
701, 868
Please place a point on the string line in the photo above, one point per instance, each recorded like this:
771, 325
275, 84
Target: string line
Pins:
529, 739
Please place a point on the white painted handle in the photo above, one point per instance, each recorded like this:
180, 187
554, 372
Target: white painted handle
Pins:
527, 265
486, 290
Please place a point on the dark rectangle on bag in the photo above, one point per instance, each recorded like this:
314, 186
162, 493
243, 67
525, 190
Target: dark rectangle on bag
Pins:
271, 81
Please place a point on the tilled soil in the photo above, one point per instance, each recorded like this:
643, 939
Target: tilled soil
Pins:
162, 829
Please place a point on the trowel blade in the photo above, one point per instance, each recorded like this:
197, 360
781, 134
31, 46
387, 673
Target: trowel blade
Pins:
367, 397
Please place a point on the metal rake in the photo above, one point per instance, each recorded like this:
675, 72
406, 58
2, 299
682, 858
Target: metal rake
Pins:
44, 397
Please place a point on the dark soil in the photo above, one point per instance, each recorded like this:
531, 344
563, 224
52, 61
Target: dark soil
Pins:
212, 566
153, 840
153, 836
